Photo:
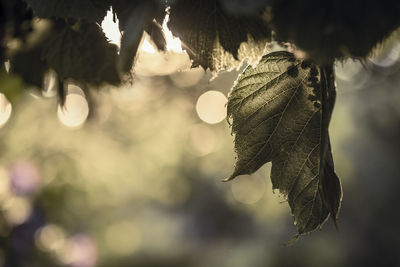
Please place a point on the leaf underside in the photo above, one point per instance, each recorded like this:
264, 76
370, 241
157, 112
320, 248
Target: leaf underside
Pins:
215, 39
280, 112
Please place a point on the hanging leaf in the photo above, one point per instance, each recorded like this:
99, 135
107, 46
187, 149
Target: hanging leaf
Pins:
92, 10
136, 17
157, 35
213, 38
82, 52
280, 112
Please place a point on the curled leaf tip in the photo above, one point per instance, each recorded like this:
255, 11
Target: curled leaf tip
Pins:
227, 179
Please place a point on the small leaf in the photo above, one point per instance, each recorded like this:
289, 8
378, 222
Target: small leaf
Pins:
92, 10
132, 35
136, 17
280, 113
213, 37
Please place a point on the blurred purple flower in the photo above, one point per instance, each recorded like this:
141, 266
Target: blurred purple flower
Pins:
24, 178
83, 251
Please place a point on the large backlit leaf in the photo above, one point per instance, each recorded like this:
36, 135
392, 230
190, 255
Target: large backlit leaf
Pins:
280, 112
213, 38
93, 10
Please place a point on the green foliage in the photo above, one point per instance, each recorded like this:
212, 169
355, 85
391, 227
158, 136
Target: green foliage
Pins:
278, 115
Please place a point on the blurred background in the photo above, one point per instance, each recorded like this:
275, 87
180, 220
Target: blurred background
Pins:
137, 180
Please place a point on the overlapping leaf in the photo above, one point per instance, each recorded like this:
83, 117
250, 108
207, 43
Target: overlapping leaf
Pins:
28, 64
280, 112
213, 38
93, 10
83, 53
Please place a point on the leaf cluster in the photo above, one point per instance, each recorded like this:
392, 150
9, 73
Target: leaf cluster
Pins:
217, 34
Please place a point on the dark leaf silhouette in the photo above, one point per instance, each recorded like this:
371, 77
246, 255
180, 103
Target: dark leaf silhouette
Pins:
336, 29
280, 112
74, 53
93, 10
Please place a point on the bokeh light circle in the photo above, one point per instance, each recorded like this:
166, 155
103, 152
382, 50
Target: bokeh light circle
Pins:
203, 139
248, 189
75, 110
50, 238
17, 210
24, 178
211, 107
5, 110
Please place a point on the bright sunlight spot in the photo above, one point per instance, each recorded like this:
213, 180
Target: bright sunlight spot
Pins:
75, 110
211, 107
17, 210
50, 238
147, 46
50, 84
5, 110
111, 28
173, 43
